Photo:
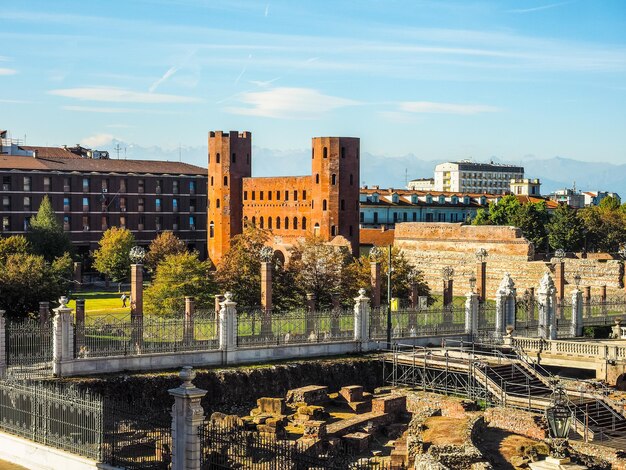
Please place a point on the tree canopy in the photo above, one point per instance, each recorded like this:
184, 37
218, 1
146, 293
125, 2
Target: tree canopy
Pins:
565, 229
165, 243
46, 234
112, 258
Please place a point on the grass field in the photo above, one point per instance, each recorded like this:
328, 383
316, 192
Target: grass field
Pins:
101, 302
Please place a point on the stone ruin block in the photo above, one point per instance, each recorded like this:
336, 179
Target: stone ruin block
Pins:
393, 405
269, 406
314, 430
357, 441
352, 393
227, 421
274, 426
311, 395
310, 412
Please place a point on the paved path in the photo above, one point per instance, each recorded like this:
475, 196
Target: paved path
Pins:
10, 466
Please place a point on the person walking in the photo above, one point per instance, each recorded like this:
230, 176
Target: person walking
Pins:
123, 300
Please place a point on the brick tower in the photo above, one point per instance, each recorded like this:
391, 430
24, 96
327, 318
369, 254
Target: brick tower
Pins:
229, 162
335, 188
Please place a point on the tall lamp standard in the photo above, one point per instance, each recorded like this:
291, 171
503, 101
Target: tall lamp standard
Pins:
389, 271
481, 256
559, 418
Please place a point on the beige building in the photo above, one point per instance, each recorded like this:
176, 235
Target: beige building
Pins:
470, 177
525, 187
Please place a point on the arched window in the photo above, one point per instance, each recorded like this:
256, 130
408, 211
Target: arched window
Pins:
269, 222
312, 154
261, 222
225, 180
317, 178
278, 195
211, 181
316, 229
286, 223
333, 179
217, 158
286, 195
217, 203
325, 152
304, 194
247, 158
343, 204
278, 223
211, 229
234, 159
333, 230
351, 179
312, 203
350, 230
343, 152
253, 221
295, 194
324, 205
295, 223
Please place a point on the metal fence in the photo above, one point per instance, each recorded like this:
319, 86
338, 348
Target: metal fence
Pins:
227, 448
29, 347
55, 415
599, 307
269, 328
115, 335
410, 323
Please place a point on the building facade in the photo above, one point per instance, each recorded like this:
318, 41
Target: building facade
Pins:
90, 195
325, 203
471, 177
421, 184
525, 187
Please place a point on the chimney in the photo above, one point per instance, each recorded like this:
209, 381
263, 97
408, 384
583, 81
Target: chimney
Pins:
34, 153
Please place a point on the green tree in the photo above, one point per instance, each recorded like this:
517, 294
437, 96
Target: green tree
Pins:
504, 211
565, 229
179, 275
165, 243
532, 218
46, 233
13, 245
610, 203
482, 217
112, 258
605, 227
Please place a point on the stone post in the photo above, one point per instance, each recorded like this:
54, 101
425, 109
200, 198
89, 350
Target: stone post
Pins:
80, 324
136, 305
481, 280
546, 298
228, 323
450, 291
62, 337
559, 273
188, 323
335, 327
44, 312
219, 298
505, 304
588, 300
603, 297
266, 297
78, 275
471, 313
375, 283
310, 312
187, 417
576, 328
3, 349
362, 319
414, 295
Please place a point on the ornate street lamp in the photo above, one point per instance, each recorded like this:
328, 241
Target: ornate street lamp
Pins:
577, 280
375, 253
137, 255
472, 282
560, 254
447, 273
481, 255
266, 253
559, 418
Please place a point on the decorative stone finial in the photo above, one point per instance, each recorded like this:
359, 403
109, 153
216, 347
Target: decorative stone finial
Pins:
447, 273
362, 292
267, 254
413, 275
559, 254
507, 285
137, 255
187, 374
375, 253
481, 254
228, 296
63, 300
546, 285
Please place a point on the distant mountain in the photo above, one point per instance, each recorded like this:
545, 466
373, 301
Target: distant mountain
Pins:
393, 171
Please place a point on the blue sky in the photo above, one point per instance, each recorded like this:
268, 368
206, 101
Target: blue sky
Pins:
439, 79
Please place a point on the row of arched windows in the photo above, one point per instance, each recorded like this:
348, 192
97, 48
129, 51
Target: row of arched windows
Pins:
233, 158
333, 179
278, 221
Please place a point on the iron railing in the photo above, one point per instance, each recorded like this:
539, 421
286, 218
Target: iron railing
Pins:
410, 323
270, 328
29, 347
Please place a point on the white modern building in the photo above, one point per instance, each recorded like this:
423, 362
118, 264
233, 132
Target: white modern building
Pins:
470, 177
421, 184
525, 187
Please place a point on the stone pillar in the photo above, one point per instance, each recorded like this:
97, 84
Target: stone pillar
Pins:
187, 417
530, 304
228, 323
546, 298
62, 337
414, 295
78, 275
505, 304
266, 298
136, 305
588, 300
335, 327
3, 349
471, 313
481, 280
310, 311
450, 291
219, 298
80, 324
375, 283
188, 323
603, 298
577, 313
559, 273
362, 319
44, 312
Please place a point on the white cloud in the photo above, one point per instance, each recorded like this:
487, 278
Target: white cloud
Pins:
540, 8
120, 95
4, 71
287, 102
430, 107
171, 71
97, 140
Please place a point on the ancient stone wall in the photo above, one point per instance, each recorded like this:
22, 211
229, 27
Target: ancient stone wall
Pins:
517, 421
432, 246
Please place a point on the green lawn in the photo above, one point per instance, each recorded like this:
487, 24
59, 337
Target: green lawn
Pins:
101, 302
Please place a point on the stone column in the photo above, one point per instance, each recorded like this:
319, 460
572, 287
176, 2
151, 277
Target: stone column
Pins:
218, 305
577, 313
187, 417
136, 305
78, 275
310, 311
471, 313
481, 280
505, 304
414, 295
228, 323
362, 319
375, 283
546, 298
450, 291
588, 300
80, 324
603, 297
188, 323
266, 298
3, 349
44, 312
559, 273
335, 327
62, 337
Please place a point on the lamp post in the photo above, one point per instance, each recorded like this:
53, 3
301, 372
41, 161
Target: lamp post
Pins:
577, 279
389, 271
472, 282
446, 273
481, 255
559, 419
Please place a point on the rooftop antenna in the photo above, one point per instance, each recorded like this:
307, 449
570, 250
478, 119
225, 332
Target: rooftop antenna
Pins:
117, 149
